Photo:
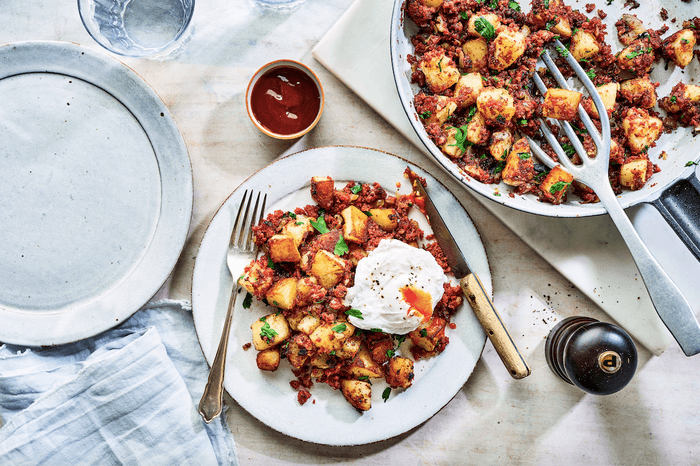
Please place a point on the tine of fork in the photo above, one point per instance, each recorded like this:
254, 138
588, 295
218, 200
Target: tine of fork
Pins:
235, 230
243, 227
253, 221
554, 144
542, 155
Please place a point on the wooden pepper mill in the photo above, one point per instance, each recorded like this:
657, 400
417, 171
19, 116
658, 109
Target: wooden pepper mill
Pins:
598, 357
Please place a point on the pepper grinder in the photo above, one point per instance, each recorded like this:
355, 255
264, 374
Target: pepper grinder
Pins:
598, 357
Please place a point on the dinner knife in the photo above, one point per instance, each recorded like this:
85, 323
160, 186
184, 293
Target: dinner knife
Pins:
472, 288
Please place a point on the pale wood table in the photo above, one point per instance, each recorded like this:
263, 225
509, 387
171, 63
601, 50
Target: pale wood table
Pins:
493, 419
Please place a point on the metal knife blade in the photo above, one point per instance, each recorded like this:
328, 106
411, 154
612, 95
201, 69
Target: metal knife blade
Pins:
472, 288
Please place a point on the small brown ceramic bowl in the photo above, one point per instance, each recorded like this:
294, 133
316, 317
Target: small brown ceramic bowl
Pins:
284, 99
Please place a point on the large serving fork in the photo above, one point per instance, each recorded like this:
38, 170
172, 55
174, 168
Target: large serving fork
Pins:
241, 245
673, 308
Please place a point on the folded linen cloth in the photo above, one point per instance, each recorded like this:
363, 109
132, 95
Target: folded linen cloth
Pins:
125, 397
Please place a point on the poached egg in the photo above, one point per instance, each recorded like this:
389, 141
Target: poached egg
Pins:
396, 288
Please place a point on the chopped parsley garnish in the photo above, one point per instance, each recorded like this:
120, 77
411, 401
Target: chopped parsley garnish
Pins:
562, 51
267, 333
356, 189
558, 186
440, 65
524, 155
400, 339
569, 149
425, 115
499, 168
340, 328
364, 378
386, 393
638, 52
484, 28
539, 177
390, 353
341, 247
494, 4
376, 330
291, 215
546, 3
461, 139
673, 99
690, 163
367, 213
522, 122
271, 264
514, 5
423, 332
247, 301
320, 224
464, 14
356, 313
591, 74
684, 41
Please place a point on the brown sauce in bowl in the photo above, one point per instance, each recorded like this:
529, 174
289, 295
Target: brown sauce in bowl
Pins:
285, 100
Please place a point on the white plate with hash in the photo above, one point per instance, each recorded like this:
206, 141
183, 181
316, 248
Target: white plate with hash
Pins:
327, 418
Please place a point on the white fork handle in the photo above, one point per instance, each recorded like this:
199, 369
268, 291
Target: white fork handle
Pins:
673, 308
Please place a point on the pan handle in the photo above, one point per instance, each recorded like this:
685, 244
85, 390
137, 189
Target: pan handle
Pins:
679, 204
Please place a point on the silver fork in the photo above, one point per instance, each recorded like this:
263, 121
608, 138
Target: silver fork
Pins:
241, 243
673, 308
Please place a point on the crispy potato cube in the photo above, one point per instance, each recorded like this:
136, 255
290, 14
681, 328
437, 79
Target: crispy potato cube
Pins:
450, 147
633, 27
440, 71
308, 324
674, 103
399, 372
327, 268
520, 166
255, 280
608, 94
476, 130
269, 331
321, 360
496, 104
307, 290
380, 344
640, 92
294, 316
474, 55
561, 104
362, 365
283, 293
583, 45
444, 108
679, 47
281, 248
490, 17
641, 129
428, 334
268, 359
432, 3
562, 28
469, 86
329, 337
350, 348
297, 355
555, 184
633, 174
387, 219
355, 224
501, 142
298, 229
358, 393
638, 56
506, 48
322, 191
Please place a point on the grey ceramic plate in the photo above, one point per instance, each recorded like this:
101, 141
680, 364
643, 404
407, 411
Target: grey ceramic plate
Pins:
96, 193
329, 419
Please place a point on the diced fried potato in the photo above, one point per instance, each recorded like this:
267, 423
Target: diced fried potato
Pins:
321, 360
555, 184
283, 293
269, 331
298, 229
679, 47
561, 104
387, 219
306, 288
583, 45
635, 57
520, 167
469, 86
475, 55
641, 129
440, 71
268, 359
350, 348
362, 365
608, 94
428, 334
640, 92
506, 48
476, 130
490, 17
294, 316
322, 191
633, 174
355, 224
450, 147
327, 268
281, 248
399, 372
356, 253
444, 108
308, 324
255, 280
562, 28
358, 393
380, 345
432, 3
329, 337
633, 28
672, 104
501, 142
297, 355
496, 104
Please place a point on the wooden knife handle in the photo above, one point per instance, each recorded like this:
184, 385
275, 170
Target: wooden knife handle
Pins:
495, 328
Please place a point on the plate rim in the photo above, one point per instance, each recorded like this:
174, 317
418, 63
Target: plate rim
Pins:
120, 299
245, 404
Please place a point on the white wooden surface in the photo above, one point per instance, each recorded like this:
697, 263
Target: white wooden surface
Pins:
493, 419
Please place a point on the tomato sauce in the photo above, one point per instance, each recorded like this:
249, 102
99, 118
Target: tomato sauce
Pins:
285, 100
